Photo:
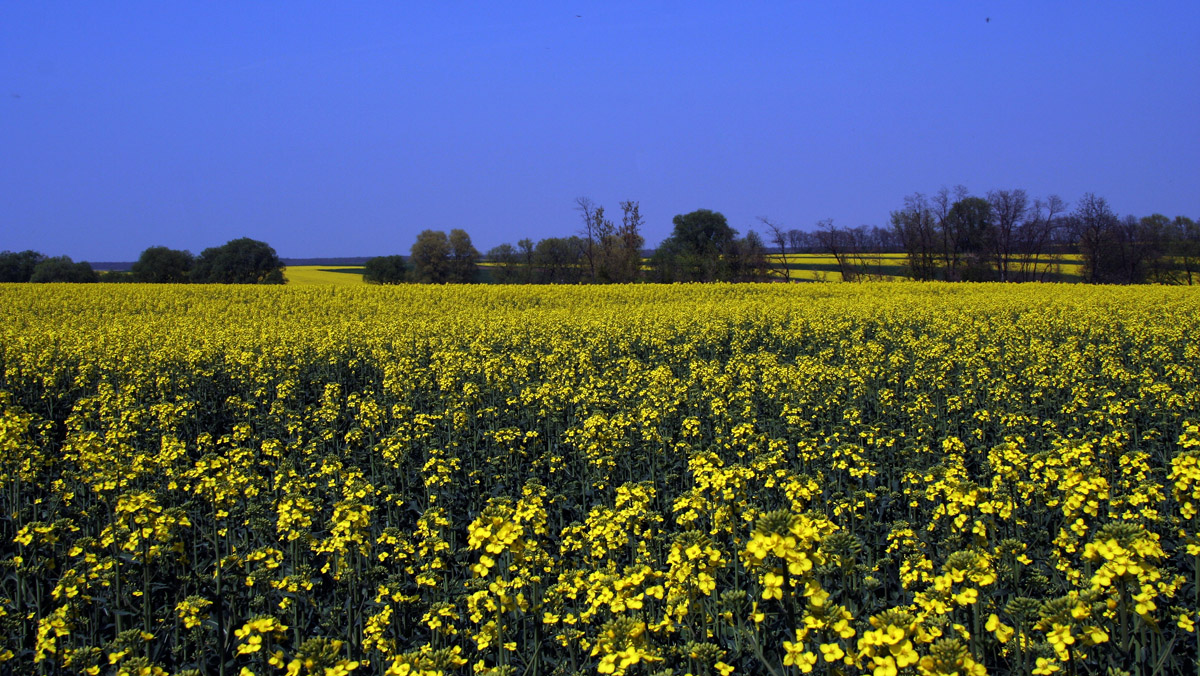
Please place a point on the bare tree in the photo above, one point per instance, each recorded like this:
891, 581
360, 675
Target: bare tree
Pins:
917, 230
865, 246
1094, 224
779, 238
943, 212
587, 213
799, 240
940, 206
840, 244
1035, 235
1009, 208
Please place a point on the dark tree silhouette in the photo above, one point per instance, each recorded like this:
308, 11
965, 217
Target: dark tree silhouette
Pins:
696, 249
430, 258
464, 258
385, 270
63, 269
239, 261
19, 266
160, 265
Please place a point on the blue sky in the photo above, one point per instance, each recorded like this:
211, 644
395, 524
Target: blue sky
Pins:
344, 129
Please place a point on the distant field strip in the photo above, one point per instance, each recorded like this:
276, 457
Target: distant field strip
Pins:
340, 275
801, 267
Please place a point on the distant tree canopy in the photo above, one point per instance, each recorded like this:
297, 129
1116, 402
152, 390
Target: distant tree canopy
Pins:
970, 234
950, 235
553, 260
63, 269
464, 258
693, 252
506, 262
703, 248
618, 250
956, 236
702, 232
430, 257
1008, 238
559, 260
747, 259
385, 270
161, 265
19, 266
602, 252
1132, 250
438, 259
239, 261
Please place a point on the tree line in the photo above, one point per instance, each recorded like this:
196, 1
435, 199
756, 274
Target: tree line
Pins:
702, 248
951, 235
1006, 236
239, 261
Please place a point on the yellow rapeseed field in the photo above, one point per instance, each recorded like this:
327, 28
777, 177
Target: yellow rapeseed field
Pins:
762, 479
308, 275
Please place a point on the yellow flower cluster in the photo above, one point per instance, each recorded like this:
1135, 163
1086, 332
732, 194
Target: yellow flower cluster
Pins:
253, 633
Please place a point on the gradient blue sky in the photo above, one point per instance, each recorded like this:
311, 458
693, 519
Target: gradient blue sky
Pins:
343, 129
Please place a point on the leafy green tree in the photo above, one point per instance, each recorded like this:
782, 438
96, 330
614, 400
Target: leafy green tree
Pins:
63, 269
628, 264
696, 249
560, 260
430, 258
19, 266
704, 231
385, 270
603, 245
617, 253
667, 263
464, 258
161, 265
239, 261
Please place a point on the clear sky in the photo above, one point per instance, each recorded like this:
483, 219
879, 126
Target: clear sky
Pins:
344, 129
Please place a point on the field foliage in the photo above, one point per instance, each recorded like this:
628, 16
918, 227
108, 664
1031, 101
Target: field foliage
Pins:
896, 478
